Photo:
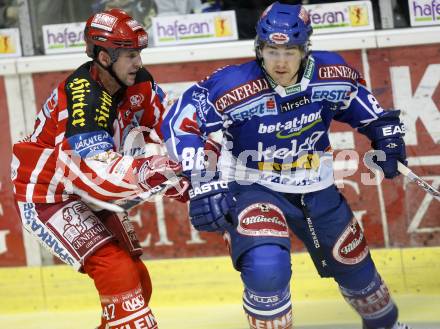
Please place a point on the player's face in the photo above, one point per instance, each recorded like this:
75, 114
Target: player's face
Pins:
282, 63
127, 65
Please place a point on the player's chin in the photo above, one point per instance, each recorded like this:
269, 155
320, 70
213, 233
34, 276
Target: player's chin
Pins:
130, 80
285, 79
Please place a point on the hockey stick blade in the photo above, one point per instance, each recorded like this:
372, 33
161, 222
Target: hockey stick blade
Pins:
404, 170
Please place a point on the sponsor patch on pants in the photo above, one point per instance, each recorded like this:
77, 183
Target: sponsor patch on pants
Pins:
351, 246
262, 219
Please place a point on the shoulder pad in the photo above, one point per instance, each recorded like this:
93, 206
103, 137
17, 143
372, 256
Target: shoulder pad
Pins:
89, 106
332, 67
233, 74
327, 58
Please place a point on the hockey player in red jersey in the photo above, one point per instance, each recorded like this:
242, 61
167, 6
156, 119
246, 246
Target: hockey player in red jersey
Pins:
82, 155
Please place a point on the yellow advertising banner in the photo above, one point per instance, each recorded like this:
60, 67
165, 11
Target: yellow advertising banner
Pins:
10, 43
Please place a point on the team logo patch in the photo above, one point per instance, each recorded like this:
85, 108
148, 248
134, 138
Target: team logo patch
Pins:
279, 38
134, 25
136, 100
262, 219
104, 21
200, 100
142, 40
189, 126
351, 247
133, 304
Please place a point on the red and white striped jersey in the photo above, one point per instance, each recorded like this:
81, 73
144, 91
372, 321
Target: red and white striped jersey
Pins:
83, 141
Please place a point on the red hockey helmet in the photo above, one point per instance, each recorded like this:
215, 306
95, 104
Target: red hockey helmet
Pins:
113, 29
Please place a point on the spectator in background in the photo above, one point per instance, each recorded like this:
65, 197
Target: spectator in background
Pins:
211, 5
312, 2
45, 12
140, 10
248, 12
401, 13
8, 13
177, 7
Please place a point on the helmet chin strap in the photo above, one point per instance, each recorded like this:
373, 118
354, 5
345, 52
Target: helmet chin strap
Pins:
110, 70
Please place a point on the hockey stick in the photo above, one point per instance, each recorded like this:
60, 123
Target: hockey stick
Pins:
126, 204
404, 170
99, 203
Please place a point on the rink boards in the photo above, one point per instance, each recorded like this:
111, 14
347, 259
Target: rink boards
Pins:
194, 282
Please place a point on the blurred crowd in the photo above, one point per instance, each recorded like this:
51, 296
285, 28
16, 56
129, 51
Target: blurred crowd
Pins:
44, 12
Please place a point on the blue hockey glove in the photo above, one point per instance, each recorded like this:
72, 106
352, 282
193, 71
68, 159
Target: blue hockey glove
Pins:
394, 149
209, 206
386, 134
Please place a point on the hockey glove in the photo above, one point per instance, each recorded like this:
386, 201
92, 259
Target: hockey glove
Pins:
209, 206
386, 134
179, 191
156, 170
394, 149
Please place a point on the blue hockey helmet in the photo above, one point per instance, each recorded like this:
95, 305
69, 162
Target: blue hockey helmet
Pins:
284, 24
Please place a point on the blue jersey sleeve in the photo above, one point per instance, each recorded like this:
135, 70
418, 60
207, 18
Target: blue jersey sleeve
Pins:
187, 125
359, 108
370, 119
363, 109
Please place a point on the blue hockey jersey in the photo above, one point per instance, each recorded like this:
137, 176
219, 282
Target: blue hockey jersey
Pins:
271, 135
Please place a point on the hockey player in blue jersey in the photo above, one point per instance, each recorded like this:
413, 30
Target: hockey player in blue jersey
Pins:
268, 120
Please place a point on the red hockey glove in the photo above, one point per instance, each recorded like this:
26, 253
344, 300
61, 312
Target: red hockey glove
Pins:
155, 170
179, 192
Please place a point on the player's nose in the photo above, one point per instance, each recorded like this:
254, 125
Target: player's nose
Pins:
138, 61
